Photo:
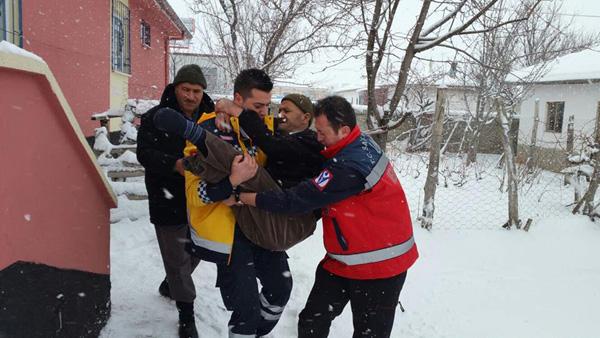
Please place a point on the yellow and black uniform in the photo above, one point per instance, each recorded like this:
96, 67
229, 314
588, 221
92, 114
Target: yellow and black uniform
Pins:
212, 223
217, 237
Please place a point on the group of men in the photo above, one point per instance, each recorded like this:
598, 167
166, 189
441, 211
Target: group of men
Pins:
210, 199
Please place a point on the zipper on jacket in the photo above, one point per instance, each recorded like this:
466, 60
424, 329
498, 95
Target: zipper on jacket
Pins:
340, 236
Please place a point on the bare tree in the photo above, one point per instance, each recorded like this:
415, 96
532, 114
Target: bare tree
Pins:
275, 35
377, 18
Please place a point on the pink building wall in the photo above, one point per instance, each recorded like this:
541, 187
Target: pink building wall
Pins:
149, 65
54, 206
73, 37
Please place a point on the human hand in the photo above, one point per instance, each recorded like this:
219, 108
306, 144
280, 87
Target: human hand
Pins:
243, 168
222, 122
230, 201
179, 167
228, 107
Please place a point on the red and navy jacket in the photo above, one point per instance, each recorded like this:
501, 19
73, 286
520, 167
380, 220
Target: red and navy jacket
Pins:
367, 228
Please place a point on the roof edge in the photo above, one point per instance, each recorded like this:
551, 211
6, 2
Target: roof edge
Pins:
166, 7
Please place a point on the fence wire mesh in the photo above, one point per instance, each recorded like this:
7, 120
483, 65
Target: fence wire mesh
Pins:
475, 196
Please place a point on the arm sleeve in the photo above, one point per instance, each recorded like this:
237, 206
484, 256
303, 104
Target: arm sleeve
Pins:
215, 192
314, 193
200, 193
149, 157
277, 148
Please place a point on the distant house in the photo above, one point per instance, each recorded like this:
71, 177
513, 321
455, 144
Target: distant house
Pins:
218, 81
570, 89
55, 215
417, 96
101, 51
352, 95
283, 87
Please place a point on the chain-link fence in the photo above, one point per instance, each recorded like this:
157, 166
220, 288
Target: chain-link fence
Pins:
475, 196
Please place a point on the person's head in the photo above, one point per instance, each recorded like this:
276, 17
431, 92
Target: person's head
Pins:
334, 119
297, 110
252, 90
189, 85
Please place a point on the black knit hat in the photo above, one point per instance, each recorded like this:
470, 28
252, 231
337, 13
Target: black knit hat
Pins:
191, 74
301, 102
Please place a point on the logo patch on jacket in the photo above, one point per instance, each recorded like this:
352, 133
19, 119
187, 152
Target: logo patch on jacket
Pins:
323, 179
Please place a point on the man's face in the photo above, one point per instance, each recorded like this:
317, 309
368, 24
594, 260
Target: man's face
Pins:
325, 132
258, 101
189, 96
295, 118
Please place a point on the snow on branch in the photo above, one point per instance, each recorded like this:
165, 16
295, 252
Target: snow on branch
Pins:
442, 21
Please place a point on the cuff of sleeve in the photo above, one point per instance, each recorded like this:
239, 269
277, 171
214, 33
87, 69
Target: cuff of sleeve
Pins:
203, 193
261, 201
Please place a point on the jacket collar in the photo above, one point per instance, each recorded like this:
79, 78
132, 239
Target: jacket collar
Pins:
330, 152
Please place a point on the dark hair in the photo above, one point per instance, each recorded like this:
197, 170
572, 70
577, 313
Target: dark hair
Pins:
252, 78
338, 111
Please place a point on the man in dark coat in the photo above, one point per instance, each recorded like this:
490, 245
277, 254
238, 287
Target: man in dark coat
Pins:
293, 153
161, 155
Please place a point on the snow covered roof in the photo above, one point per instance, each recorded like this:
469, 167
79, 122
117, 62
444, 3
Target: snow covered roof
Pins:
579, 66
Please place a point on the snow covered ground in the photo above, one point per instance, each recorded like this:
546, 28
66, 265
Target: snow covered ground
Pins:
470, 281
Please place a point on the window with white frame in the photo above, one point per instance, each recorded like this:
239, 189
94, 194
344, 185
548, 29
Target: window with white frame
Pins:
554, 116
120, 51
145, 33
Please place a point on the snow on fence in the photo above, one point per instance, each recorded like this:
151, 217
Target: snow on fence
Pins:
475, 197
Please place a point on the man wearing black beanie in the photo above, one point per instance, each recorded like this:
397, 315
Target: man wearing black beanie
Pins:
161, 155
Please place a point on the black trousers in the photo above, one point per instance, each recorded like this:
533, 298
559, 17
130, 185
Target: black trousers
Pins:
179, 264
373, 304
255, 313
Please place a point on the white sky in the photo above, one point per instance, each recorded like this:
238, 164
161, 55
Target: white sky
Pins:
585, 14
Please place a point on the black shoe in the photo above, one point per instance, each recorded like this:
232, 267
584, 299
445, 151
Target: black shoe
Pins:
163, 289
187, 329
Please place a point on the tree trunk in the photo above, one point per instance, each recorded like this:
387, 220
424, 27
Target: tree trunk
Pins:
531, 160
587, 202
476, 125
571, 134
381, 139
511, 169
434, 160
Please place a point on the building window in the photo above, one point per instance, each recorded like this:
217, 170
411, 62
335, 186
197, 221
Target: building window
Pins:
10, 22
120, 53
554, 116
145, 33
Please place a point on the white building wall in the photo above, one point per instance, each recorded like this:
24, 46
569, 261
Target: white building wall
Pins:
581, 100
352, 96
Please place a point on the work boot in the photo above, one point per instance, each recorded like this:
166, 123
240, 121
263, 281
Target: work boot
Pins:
163, 289
188, 329
187, 323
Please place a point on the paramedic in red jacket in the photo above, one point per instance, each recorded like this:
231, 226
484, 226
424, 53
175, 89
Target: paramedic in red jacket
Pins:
367, 228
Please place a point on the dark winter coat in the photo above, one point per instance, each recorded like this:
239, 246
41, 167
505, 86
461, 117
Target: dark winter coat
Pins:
290, 158
158, 151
